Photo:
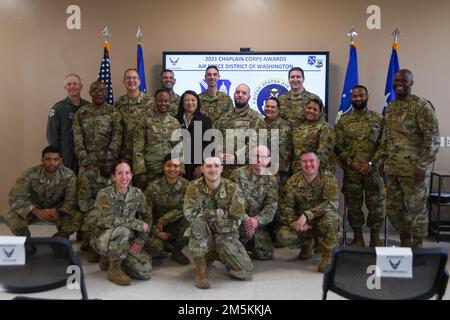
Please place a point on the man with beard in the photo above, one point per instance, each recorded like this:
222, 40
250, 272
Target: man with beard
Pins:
357, 140
409, 144
238, 122
46, 192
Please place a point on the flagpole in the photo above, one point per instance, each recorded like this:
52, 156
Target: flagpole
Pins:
140, 62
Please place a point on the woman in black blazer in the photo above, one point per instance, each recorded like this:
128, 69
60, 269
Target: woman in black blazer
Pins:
189, 116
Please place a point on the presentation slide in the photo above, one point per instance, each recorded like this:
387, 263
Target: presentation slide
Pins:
265, 72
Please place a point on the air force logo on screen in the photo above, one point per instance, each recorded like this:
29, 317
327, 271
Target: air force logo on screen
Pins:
313, 61
174, 62
222, 85
266, 89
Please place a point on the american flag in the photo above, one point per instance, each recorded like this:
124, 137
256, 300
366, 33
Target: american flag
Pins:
104, 75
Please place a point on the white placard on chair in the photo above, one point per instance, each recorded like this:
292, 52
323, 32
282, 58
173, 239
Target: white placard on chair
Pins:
393, 262
12, 250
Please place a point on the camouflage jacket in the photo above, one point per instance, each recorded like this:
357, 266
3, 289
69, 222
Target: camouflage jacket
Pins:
313, 199
318, 136
34, 190
132, 111
89, 184
358, 137
260, 193
223, 209
245, 119
96, 128
174, 102
410, 136
166, 200
292, 107
152, 142
130, 210
215, 106
285, 142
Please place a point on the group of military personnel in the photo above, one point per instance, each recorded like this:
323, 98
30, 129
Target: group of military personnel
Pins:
235, 211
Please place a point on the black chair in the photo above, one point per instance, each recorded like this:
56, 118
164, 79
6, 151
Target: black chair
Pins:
348, 276
50, 264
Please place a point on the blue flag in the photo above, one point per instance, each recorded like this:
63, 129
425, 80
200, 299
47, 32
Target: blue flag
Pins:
394, 66
351, 80
104, 74
140, 68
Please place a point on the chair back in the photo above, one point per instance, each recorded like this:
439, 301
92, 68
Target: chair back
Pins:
50, 264
351, 274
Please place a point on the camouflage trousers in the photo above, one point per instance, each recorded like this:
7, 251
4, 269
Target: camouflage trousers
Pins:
406, 205
115, 243
177, 239
260, 245
89, 225
359, 188
66, 224
327, 226
230, 250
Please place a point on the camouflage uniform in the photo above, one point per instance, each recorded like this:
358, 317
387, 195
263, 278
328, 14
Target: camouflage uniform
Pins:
410, 140
292, 107
285, 143
245, 119
357, 140
34, 190
317, 136
318, 201
152, 143
214, 107
166, 203
132, 110
89, 184
215, 217
285, 156
96, 128
261, 202
120, 224
174, 102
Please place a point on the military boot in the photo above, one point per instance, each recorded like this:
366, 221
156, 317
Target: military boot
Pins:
326, 260
178, 256
103, 263
92, 256
210, 257
417, 242
116, 274
201, 277
405, 239
306, 251
358, 240
375, 238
